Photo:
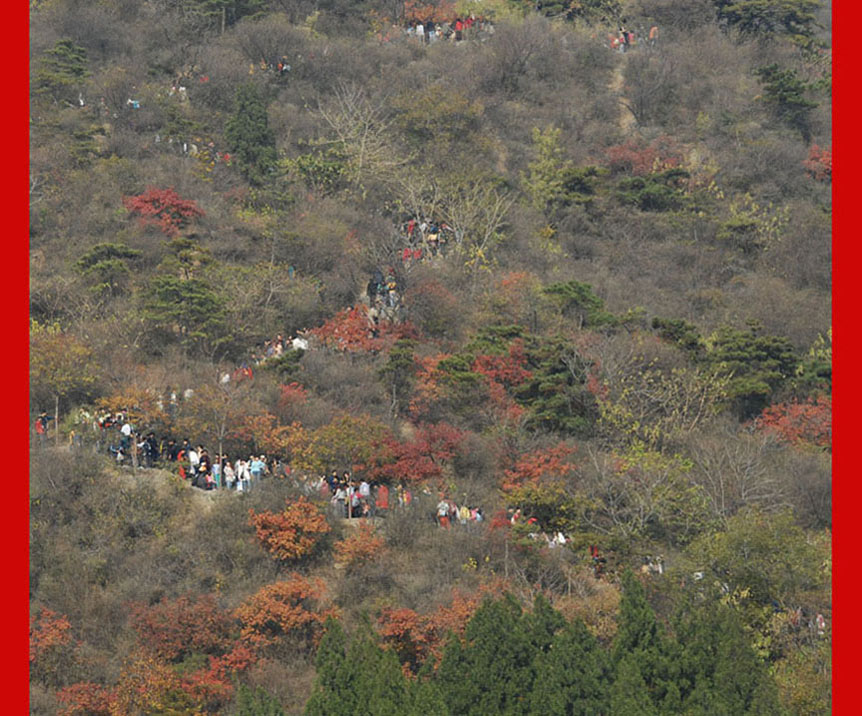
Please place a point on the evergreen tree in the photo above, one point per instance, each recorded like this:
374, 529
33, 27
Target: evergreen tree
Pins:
366, 679
191, 307
795, 18
630, 693
572, 676
784, 91
62, 71
104, 267
249, 136
491, 673
723, 674
556, 394
256, 702
330, 665
542, 623
758, 365
641, 651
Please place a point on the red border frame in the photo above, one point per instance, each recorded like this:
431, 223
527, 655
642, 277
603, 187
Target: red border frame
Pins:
846, 491
14, 527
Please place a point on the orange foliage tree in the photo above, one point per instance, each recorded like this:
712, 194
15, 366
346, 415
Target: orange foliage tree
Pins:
419, 459
350, 331
293, 533
415, 638
163, 208
288, 609
348, 441
87, 699
819, 163
538, 466
174, 628
635, 157
359, 547
148, 685
806, 423
142, 407
48, 632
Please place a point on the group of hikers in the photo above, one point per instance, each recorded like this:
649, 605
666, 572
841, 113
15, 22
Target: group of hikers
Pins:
448, 513
382, 291
455, 30
275, 348
625, 39
353, 498
425, 238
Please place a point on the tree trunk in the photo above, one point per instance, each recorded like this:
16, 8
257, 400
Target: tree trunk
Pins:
223, 18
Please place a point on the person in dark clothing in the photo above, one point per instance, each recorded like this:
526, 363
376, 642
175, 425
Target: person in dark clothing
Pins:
171, 450
151, 449
205, 465
332, 481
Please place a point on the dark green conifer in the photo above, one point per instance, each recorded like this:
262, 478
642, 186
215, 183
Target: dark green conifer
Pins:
249, 136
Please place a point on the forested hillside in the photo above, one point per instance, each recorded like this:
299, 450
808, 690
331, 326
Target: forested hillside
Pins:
453, 358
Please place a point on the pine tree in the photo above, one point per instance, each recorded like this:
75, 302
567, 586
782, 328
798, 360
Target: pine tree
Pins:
249, 136
641, 650
630, 693
572, 676
717, 660
256, 702
330, 664
364, 679
62, 71
491, 673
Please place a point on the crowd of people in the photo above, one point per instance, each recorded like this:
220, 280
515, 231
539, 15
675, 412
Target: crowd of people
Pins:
428, 31
425, 239
625, 39
448, 513
351, 497
276, 348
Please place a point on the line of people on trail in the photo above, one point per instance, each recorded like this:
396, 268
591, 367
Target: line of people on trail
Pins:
448, 513
352, 498
382, 291
625, 39
276, 348
426, 238
456, 30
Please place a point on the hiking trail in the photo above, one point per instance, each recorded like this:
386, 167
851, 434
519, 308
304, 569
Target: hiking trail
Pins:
626, 121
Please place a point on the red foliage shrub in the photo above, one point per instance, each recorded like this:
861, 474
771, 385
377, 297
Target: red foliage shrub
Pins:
806, 423
635, 158
351, 331
163, 208
293, 533
508, 370
86, 699
420, 459
359, 547
441, 11
287, 608
819, 163
534, 467
418, 637
49, 632
292, 394
174, 628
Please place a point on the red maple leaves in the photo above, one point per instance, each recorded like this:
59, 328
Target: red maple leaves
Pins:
163, 208
290, 534
421, 458
353, 331
805, 423
819, 163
